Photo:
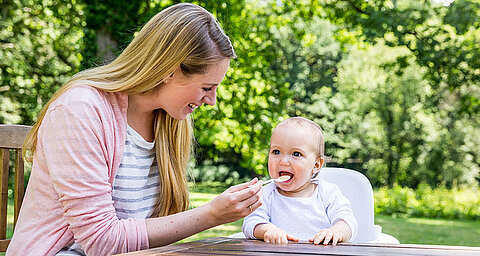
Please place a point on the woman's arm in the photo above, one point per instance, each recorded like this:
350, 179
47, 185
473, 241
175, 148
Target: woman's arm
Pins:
231, 205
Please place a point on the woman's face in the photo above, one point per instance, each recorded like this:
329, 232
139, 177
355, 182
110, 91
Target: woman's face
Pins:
181, 95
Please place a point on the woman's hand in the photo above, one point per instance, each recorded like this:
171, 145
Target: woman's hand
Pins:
236, 202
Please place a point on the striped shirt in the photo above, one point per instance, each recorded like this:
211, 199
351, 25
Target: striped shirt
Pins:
136, 185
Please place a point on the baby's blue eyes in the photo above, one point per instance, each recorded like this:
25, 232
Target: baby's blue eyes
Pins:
277, 152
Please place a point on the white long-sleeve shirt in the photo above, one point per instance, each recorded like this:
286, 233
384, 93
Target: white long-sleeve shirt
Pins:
302, 217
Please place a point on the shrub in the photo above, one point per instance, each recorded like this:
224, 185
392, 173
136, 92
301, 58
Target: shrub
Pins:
456, 203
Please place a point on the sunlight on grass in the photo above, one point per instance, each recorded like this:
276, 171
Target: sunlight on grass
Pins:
431, 231
198, 199
438, 222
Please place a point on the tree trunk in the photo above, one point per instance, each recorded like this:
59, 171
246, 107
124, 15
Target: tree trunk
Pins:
107, 47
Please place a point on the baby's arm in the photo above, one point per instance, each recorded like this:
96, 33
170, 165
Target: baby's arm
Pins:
340, 231
272, 234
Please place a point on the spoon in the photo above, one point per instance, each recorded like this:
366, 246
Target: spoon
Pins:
282, 178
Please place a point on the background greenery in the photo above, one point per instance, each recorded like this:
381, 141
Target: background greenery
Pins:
393, 83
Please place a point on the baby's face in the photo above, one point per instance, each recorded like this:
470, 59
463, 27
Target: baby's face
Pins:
292, 153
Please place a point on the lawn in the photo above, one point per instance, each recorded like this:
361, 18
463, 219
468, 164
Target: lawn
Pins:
431, 231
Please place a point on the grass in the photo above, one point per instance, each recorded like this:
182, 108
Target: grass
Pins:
431, 231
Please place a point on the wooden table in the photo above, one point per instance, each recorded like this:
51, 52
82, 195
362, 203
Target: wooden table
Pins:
232, 246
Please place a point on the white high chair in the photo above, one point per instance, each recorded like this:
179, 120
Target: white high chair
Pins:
357, 188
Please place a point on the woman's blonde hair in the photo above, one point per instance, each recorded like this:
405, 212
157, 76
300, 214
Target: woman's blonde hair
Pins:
183, 35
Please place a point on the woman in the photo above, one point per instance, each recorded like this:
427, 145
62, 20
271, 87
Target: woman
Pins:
111, 147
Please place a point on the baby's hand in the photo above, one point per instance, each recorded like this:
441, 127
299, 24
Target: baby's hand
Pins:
327, 235
277, 236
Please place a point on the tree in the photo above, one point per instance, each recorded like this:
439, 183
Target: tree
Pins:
443, 39
383, 118
394, 84
39, 51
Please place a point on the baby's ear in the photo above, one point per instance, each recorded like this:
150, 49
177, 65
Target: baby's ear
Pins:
318, 164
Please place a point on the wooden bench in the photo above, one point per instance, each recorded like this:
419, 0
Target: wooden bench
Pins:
11, 139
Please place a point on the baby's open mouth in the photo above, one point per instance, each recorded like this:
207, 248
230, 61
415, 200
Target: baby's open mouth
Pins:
284, 173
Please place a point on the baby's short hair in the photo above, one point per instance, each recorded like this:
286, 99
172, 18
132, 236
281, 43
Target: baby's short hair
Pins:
316, 131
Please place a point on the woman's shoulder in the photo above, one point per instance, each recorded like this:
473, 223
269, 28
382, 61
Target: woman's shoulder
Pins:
86, 95
80, 93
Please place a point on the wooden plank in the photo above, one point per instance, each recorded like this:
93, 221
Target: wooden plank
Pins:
12, 136
256, 247
229, 253
19, 185
344, 247
177, 247
4, 245
341, 249
4, 158
229, 246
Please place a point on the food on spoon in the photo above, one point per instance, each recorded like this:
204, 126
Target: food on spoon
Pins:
283, 178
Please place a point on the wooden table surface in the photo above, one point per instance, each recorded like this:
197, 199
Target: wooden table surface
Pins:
232, 246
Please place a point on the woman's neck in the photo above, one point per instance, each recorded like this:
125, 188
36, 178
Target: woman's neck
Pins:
140, 119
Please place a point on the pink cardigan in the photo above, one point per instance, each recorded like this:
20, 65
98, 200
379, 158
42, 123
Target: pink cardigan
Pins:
69, 195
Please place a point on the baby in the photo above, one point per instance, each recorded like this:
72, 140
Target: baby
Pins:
303, 207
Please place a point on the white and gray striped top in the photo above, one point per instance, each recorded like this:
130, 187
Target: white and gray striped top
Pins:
136, 185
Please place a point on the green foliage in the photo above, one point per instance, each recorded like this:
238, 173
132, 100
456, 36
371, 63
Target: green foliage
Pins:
39, 51
216, 173
392, 93
394, 84
457, 203
442, 38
